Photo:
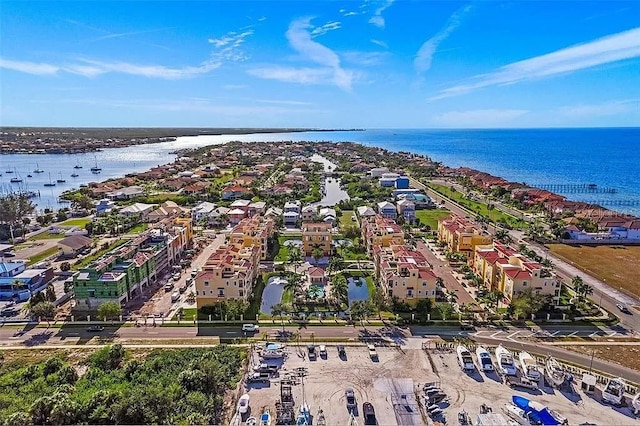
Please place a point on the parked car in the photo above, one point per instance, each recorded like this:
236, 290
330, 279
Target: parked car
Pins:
168, 286
176, 276
243, 404
372, 351
350, 397
323, 351
182, 289
258, 377
95, 328
175, 296
341, 352
311, 350
623, 308
369, 414
250, 328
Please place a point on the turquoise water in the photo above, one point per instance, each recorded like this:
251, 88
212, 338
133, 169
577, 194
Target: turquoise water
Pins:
316, 290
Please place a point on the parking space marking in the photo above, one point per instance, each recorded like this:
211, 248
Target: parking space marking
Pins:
495, 335
613, 334
555, 333
594, 334
575, 333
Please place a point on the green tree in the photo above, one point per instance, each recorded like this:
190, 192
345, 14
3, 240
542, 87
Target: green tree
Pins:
335, 263
340, 289
295, 258
526, 303
294, 285
50, 293
316, 253
446, 310
65, 266
378, 301
44, 310
13, 208
494, 297
503, 236
360, 310
109, 311
578, 284
423, 308
278, 310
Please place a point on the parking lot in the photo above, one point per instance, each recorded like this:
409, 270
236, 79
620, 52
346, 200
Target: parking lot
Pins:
393, 385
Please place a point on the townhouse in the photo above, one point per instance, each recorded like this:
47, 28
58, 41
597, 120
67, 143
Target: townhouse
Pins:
407, 210
461, 236
388, 210
403, 273
382, 232
253, 231
504, 269
316, 235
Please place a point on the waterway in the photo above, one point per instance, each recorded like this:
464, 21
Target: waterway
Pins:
332, 193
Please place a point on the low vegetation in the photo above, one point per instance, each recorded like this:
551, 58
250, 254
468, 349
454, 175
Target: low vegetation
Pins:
430, 217
116, 386
615, 265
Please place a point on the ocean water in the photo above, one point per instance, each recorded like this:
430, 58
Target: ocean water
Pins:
607, 157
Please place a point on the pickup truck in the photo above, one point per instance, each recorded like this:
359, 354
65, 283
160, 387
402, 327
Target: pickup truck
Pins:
311, 350
372, 352
520, 382
265, 368
258, 377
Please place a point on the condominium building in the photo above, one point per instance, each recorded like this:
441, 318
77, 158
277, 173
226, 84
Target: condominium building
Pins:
229, 273
503, 268
403, 273
382, 232
461, 236
252, 231
316, 235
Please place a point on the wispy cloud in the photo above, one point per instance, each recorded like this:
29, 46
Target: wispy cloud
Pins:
232, 39
155, 71
377, 19
600, 110
322, 30
612, 48
345, 12
379, 43
330, 71
425, 54
479, 117
235, 86
282, 102
364, 58
28, 67
130, 33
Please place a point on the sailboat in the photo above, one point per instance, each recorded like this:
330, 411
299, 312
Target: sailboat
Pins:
60, 180
38, 169
74, 174
29, 175
77, 166
304, 415
529, 366
50, 183
16, 179
96, 169
505, 361
555, 372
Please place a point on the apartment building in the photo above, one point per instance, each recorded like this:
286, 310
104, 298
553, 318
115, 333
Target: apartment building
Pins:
502, 268
382, 232
118, 275
461, 236
229, 273
252, 231
404, 273
316, 234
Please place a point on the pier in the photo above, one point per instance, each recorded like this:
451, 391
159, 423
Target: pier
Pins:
571, 188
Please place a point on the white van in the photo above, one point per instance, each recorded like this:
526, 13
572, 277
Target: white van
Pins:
175, 296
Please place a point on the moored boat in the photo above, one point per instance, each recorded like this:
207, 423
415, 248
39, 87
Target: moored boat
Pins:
265, 418
484, 359
304, 415
505, 361
635, 404
613, 393
556, 374
38, 169
529, 366
464, 358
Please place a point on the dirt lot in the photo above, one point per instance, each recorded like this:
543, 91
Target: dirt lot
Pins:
397, 373
628, 356
617, 265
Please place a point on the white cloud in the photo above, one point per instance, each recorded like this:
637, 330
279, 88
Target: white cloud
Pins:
379, 43
154, 71
329, 26
377, 19
29, 67
232, 38
262, 18
282, 102
612, 48
294, 75
301, 41
350, 13
479, 117
364, 58
425, 54
600, 110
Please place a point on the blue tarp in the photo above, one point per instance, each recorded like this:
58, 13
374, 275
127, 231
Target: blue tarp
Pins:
541, 415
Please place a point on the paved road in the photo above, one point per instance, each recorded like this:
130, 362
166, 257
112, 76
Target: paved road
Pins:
603, 293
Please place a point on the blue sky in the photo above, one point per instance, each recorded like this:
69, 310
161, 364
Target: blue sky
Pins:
329, 64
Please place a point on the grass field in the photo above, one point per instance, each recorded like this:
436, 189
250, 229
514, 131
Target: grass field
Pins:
345, 219
43, 255
283, 250
627, 356
138, 228
430, 217
616, 265
46, 236
478, 207
76, 222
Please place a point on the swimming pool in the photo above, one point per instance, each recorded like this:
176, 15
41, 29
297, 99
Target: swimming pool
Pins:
316, 291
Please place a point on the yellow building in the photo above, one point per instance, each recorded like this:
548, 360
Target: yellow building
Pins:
253, 231
461, 236
404, 274
379, 231
229, 273
504, 269
316, 234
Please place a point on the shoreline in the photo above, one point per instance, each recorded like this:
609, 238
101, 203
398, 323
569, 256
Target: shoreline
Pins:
53, 140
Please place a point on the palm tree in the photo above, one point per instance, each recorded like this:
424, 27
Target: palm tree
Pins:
335, 263
495, 297
578, 284
295, 258
452, 296
340, 289
503, 236
317, 253
445, 310
439, 282
587, 290
294, 285
278, 310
